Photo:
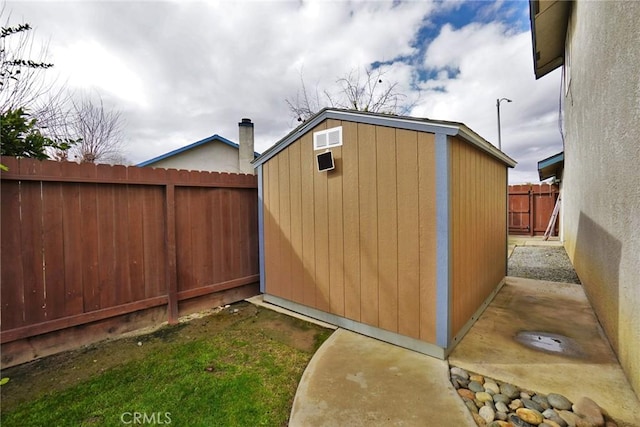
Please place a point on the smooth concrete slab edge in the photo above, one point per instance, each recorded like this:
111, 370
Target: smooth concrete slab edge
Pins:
533, 241
490, 348
514, 240
354, 380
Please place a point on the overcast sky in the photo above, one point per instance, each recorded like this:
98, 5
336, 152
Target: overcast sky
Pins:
182, 71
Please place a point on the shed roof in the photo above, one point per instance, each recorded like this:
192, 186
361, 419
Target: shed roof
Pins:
551, 166
549, 20
399, 122
212, 138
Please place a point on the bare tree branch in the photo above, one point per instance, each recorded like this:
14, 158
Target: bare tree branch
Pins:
369, 92
96, 133
100, 132
305, 104
22, 80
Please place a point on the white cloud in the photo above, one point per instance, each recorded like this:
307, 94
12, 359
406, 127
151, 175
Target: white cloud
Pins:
489, 61
181, 71
87, 64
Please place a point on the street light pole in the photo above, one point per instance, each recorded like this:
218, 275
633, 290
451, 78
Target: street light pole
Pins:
498, 101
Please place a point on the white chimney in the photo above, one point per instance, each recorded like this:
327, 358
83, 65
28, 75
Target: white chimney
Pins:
245, 153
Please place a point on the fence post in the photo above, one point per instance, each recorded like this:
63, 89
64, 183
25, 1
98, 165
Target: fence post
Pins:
170, 241
532, 211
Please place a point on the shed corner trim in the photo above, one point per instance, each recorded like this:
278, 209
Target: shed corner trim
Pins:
261, 228
443, 279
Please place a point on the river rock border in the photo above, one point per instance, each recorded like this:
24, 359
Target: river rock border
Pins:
498, 404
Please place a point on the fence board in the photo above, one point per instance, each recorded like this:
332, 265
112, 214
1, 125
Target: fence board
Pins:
215, 242
34, 292
87, 242
225, 218
53, 251
252, 229
184, 237
106, 245
198, 229
72, 243
135, 232
90, 245
206, 235
236, 249
11, 273
122, 244
171, 280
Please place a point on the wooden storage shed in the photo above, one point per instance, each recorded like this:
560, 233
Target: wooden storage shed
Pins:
393, 227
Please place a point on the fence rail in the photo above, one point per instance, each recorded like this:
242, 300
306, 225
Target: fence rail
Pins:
84, 242
530, 208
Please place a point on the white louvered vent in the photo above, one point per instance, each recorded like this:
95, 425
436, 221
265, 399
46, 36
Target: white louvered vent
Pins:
327, 138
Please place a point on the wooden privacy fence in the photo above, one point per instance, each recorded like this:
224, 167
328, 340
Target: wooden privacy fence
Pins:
82, 243
531, 207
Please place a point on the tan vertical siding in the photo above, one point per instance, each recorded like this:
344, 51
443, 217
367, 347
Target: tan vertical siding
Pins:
478, 203
295, 201
321, 214
351, 220
427, 232
387, 228
367, 169
336, 231
271, 235
285, 225
358, 241
408, 237
307, 173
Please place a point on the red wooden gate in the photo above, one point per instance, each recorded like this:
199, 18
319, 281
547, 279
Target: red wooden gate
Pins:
530, 208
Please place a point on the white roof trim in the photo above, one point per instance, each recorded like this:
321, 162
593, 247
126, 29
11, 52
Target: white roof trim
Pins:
408, 123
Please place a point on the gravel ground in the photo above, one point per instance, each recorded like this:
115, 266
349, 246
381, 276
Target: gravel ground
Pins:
542, 263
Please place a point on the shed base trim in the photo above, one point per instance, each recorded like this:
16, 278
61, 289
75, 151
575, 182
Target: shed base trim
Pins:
361, 328
475, 316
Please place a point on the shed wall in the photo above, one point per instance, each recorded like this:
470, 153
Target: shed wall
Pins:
478, 229
358, 241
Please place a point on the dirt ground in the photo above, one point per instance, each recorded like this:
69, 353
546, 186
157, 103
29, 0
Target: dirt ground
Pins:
63, 370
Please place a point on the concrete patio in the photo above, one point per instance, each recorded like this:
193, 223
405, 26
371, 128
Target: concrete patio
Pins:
359, 381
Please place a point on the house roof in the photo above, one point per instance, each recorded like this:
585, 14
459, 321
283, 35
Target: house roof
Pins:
549, 21
551, 166
399, 122
211, 138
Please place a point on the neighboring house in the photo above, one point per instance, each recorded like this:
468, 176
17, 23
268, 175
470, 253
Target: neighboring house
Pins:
598, 45
553, 167
394, 227
215, 154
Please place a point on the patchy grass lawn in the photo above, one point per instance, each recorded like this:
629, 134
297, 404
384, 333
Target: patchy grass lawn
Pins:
237, 367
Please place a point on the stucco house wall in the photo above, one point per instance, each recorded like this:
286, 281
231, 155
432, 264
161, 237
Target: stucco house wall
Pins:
213, 156
601, 220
